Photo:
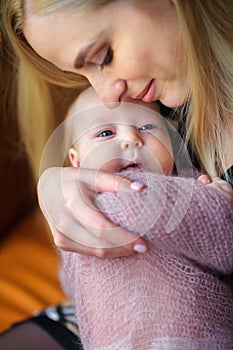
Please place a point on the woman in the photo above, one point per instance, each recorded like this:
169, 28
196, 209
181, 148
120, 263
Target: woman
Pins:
195, 50
189, 64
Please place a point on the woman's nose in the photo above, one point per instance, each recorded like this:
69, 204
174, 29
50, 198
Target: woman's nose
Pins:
108, 90
131, 141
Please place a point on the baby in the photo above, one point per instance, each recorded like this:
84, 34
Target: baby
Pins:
177, 295
125, 138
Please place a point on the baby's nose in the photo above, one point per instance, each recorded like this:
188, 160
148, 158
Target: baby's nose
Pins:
130, 143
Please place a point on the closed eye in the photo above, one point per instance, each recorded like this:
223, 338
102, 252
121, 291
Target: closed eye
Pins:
107, 59
147, 127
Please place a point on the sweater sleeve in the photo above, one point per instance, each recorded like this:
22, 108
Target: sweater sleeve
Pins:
179, 215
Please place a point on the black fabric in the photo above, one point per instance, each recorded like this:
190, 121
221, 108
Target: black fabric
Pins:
179, 115
228, 175
60, 333
38, 333
28, 336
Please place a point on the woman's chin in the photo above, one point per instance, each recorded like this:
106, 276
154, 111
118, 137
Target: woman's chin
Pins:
172, 103
173, 99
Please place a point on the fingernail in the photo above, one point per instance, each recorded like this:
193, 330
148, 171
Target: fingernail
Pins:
136, 186
139, 248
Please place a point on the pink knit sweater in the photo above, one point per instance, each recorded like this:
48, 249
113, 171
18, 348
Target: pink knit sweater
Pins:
176, 296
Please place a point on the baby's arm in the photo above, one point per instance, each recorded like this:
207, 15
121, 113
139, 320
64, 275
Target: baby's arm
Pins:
221, 186
172, 214
124, 302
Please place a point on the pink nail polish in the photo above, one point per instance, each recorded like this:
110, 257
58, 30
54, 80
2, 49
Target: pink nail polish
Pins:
136, 186
139, 248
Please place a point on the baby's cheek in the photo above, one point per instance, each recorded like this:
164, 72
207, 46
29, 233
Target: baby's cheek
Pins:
164, 157
102, 157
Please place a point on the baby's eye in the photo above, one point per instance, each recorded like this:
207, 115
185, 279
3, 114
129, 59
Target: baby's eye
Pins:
107, 59
105, 133
147, 127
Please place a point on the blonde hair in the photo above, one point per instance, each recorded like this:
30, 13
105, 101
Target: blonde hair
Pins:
206, 26
44, 92
207, 29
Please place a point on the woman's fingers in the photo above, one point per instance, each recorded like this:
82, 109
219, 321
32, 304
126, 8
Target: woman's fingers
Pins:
67, 244
222, 187
72, 246
65, 196
100, 181
217, 184
204, 179
100, 234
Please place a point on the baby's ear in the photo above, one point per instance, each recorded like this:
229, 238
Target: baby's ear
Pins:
74, 158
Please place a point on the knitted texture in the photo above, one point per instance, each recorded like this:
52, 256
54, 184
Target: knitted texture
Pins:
178, 294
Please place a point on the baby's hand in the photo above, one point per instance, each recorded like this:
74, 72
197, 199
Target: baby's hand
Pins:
223, 187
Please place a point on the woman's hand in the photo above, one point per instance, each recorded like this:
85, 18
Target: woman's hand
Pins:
221, 186
65, 197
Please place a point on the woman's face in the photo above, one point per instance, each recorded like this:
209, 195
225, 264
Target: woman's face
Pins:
125, 48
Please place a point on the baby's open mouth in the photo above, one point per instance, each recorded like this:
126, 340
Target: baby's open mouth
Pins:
134, 167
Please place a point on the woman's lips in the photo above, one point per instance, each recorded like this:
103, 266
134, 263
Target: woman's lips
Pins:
147, 95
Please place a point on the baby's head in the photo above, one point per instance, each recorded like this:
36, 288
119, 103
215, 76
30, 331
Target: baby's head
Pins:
132, 136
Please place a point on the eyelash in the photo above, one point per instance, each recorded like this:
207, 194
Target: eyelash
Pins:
107, 59
151, 126
105, 131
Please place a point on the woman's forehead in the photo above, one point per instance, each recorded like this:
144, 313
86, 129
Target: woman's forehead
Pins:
49, 6
61, 36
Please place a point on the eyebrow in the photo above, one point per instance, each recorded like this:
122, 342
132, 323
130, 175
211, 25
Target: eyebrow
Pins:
80, 59
99, 123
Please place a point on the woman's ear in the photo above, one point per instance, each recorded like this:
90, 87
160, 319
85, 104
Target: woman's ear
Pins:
73, 157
